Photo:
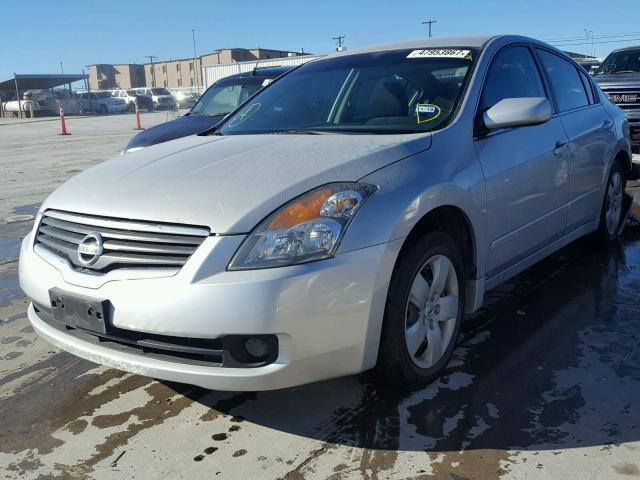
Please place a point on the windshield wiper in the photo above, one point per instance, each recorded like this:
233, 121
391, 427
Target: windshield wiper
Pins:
295, 132
197, 114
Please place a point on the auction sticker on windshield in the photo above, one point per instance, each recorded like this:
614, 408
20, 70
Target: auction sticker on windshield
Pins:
441, 53
426, 112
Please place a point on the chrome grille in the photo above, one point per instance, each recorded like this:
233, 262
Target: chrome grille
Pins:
125, 243
624, 97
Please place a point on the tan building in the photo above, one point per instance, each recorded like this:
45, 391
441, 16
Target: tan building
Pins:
174, 74
106, 76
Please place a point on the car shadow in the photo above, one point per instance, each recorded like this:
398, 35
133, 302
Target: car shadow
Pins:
552, 361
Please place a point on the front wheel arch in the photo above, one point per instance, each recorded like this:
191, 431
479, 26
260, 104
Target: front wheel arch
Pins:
454, 222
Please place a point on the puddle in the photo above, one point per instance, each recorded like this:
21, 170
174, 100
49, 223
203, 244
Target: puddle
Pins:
13, 230
9, 287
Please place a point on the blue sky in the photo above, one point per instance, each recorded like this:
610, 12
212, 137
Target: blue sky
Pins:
36, 35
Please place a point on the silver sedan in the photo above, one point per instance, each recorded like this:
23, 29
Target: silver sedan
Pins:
344, 218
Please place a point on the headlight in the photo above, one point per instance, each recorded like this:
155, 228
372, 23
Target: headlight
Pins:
303, 230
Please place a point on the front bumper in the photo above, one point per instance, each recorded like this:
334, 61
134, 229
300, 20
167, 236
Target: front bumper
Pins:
326, 315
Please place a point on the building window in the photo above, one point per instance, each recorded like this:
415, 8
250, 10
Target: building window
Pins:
193, 82
191, 66
179, 82
166, 84
178, 67
164, 69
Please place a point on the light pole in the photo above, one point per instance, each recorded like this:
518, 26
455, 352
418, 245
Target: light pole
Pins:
195, 64
339, 42
429, 22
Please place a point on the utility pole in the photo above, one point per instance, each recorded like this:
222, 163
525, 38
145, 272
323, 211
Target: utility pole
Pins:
153, 72
61, 69
195, 64
429, 22
339, 42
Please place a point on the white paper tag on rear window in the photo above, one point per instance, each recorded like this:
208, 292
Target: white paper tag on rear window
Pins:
440, 53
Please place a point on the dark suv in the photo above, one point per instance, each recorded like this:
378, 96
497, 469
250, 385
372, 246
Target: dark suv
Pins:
216, 102
619, 78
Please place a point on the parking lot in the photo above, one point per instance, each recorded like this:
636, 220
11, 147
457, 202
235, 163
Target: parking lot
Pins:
546, 376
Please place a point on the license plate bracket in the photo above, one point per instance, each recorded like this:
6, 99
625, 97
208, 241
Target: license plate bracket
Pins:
79, 311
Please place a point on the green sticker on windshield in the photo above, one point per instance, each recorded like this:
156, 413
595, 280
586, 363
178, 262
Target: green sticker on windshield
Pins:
247, 112
427, 112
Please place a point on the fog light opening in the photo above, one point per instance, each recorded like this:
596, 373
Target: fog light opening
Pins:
257, 348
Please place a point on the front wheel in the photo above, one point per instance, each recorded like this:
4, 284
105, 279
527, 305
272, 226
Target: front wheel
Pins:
612, 213
424, 311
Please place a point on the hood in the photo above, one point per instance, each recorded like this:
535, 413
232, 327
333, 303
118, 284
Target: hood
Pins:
180, 127
618, 80
228, 183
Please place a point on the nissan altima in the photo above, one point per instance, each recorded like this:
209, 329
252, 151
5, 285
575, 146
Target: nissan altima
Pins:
345, 218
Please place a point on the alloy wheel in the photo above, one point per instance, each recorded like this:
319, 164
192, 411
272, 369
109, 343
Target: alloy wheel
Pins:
613, 203
432, 311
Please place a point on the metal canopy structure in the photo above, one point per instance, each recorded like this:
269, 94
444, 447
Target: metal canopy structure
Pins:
40, 81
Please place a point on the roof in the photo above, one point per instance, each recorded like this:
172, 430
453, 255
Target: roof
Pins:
633, 47
38, 81
472, 41
270, 72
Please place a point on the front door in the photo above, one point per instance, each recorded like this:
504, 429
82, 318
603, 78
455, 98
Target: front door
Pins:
526, 168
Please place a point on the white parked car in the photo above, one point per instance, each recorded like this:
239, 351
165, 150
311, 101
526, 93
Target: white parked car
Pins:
161, 97
186, 99
101, 102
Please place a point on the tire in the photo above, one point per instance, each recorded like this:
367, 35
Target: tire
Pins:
104, 110
612, 212
401, 361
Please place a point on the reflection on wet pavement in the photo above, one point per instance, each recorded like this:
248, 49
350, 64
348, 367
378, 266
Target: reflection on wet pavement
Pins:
547, 372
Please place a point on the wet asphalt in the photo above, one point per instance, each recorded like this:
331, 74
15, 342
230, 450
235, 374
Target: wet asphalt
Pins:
545, 383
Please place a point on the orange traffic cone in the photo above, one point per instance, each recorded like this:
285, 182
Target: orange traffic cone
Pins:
138, 125
63, 125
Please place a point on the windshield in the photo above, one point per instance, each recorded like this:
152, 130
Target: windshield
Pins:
400, 91
222, 99
160, 91
623, 61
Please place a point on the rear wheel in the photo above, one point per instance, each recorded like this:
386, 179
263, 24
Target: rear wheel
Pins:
611, 216
424, 312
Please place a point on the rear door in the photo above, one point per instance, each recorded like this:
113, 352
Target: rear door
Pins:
590, 132
526, 168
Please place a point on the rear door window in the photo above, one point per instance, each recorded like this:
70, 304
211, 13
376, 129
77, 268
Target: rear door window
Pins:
565, 81
588, 87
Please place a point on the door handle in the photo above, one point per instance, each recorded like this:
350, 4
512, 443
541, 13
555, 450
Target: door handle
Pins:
607, 124
561, 146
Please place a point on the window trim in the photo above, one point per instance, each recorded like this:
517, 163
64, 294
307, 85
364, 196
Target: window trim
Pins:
478, 130
571, 62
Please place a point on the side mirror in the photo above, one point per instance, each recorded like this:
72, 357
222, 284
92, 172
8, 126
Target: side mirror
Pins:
518, 112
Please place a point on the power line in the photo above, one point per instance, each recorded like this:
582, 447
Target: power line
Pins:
592, 43
613, 35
